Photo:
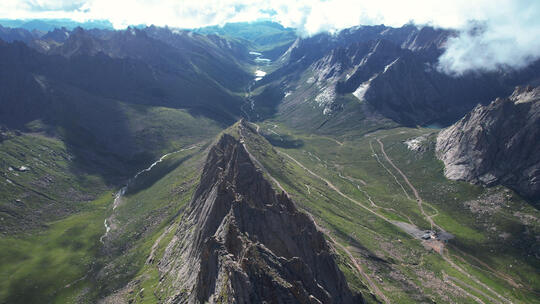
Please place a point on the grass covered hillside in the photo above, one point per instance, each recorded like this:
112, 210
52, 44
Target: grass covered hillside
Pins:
373, 194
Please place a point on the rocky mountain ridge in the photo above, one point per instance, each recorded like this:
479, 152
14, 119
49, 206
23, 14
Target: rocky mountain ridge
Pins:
392, 70
241, 242
497, 144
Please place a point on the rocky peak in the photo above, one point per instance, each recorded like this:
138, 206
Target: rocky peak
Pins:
525, 94
58, 35
497, 144
80, 42
241, 242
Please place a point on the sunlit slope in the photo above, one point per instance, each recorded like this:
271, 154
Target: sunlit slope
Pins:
357, 192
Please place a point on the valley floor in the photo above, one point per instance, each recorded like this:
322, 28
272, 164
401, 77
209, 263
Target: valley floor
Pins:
376, 199
403, 232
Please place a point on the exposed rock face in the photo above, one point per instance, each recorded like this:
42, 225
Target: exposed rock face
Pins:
240, 242
497, 144
393, 70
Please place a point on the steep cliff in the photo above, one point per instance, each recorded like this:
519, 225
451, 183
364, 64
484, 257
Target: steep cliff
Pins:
240, 242
497, 144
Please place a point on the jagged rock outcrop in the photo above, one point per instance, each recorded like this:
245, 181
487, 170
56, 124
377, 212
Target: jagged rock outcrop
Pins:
497, 144
241, 242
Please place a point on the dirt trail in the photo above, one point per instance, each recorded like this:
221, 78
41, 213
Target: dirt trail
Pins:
370, 199
416, 194
372, 285
332, 139
444, 256
388, 170
331, 186
473, 278
429, 218
448, 279
452, 264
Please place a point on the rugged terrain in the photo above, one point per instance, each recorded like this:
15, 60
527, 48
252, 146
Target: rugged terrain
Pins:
127, 178
391, 71
241, 242
497, 144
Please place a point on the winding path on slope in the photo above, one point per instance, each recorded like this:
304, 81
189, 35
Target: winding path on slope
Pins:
372, 285
443, 255
416, 194
331, 186
388, 170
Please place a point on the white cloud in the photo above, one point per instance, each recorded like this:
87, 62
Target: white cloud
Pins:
311, 16
510, 36
507, 39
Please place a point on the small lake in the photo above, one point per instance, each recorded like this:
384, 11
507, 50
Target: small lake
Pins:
259, 60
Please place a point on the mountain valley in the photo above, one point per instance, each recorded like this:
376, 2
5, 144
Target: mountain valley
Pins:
246, 163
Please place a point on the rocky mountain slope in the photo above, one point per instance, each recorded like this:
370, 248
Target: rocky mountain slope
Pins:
17, 34
391, 70
110, 104
94, 76
497, 143
241, 242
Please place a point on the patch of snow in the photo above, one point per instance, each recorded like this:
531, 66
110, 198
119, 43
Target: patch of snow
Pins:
362, 89
262, 60
414, 144
288, 93
360, 92
255, 53
259, 75
389, 65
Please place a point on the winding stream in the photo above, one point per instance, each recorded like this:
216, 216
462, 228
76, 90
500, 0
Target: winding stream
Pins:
118, 197
259, 74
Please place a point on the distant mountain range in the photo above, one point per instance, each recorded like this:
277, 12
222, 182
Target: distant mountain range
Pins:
46, 25
392, 71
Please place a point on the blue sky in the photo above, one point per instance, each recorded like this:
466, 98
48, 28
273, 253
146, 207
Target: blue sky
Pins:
509, 37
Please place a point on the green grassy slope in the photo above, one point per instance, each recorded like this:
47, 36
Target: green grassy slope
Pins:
67, 262
52, 214
490, 258
53, 266
354, 194
145, 222
49, 188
